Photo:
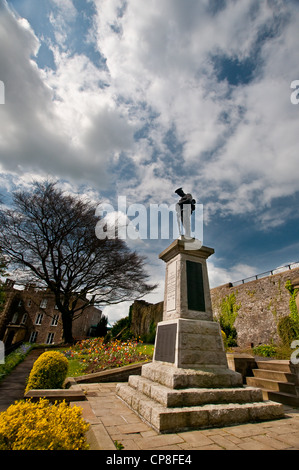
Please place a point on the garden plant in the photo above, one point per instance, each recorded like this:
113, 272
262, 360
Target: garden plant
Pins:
42, 426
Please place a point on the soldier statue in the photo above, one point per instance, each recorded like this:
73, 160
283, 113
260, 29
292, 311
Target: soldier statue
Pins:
184, 208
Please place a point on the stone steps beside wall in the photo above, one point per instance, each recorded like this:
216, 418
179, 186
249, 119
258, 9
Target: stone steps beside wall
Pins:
277, 381
260, 382
280, 397
275, 375
278, 365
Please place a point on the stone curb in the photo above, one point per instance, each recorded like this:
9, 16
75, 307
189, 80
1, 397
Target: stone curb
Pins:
56, 394
121, 374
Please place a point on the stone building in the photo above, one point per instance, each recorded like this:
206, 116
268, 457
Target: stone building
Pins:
31, 315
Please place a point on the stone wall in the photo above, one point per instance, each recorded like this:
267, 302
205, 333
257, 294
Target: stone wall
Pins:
143, 314
262, 303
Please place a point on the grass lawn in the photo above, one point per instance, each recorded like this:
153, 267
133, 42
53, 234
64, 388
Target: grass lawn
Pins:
92, 355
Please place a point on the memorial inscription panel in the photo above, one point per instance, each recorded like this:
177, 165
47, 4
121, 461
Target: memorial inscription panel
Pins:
171, 287
195, 289
165, 343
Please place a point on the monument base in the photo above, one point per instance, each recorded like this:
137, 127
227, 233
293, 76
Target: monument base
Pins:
189, 385
176, 378
168, 409
190, 344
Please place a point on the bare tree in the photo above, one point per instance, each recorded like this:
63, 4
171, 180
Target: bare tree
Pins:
2, 273
50, 235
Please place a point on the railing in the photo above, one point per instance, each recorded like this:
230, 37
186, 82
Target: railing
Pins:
278, 270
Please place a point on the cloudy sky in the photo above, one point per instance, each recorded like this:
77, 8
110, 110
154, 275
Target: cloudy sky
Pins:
138, 97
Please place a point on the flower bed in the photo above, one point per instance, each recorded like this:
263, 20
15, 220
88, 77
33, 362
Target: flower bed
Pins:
92, 355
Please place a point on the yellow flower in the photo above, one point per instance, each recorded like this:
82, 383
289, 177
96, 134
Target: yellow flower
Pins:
42, 426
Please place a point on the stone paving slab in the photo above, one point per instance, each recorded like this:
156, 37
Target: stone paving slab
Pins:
114, 421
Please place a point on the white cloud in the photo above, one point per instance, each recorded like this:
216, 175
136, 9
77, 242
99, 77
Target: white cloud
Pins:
56, 122
75, 121
238, 144
161, 54
219, 276
235, 146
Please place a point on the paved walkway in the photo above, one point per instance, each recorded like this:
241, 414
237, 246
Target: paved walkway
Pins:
13, 386
111, 420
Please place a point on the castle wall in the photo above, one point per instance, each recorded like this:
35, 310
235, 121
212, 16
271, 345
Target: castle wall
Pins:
262, 303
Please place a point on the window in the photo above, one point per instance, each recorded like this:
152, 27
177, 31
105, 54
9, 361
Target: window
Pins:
24, 318
20, 303
29, 303
43, 303
55, 320
14, 319
50, 338
39, 318
33, 337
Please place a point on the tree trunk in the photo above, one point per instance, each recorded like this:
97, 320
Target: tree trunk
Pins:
67, 322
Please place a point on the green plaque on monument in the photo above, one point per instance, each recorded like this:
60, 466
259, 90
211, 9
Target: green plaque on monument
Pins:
195, 290
165, 343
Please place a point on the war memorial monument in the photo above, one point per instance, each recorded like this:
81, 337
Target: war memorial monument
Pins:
188, 385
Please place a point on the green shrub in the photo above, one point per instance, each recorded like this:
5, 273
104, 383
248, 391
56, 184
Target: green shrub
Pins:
42, 426
292, 302
121, 329
288, 330
150, 337
229, 312
265, 350
48, 371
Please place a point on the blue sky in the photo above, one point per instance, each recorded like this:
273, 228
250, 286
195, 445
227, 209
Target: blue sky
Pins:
139, 97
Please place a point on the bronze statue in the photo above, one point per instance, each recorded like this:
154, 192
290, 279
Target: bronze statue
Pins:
184, 208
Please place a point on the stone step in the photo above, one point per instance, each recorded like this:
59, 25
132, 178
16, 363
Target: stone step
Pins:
168, 420
280, 397
267, 384
56, 395
179, 378
282, 366
274, 375
194, 396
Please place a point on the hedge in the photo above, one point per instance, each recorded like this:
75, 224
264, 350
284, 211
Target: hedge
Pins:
48, 371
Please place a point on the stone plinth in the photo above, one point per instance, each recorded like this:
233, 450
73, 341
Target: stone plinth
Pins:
189, 385
187, 291
201, 408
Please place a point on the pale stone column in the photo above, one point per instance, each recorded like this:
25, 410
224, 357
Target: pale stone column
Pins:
187, 337
186, 271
